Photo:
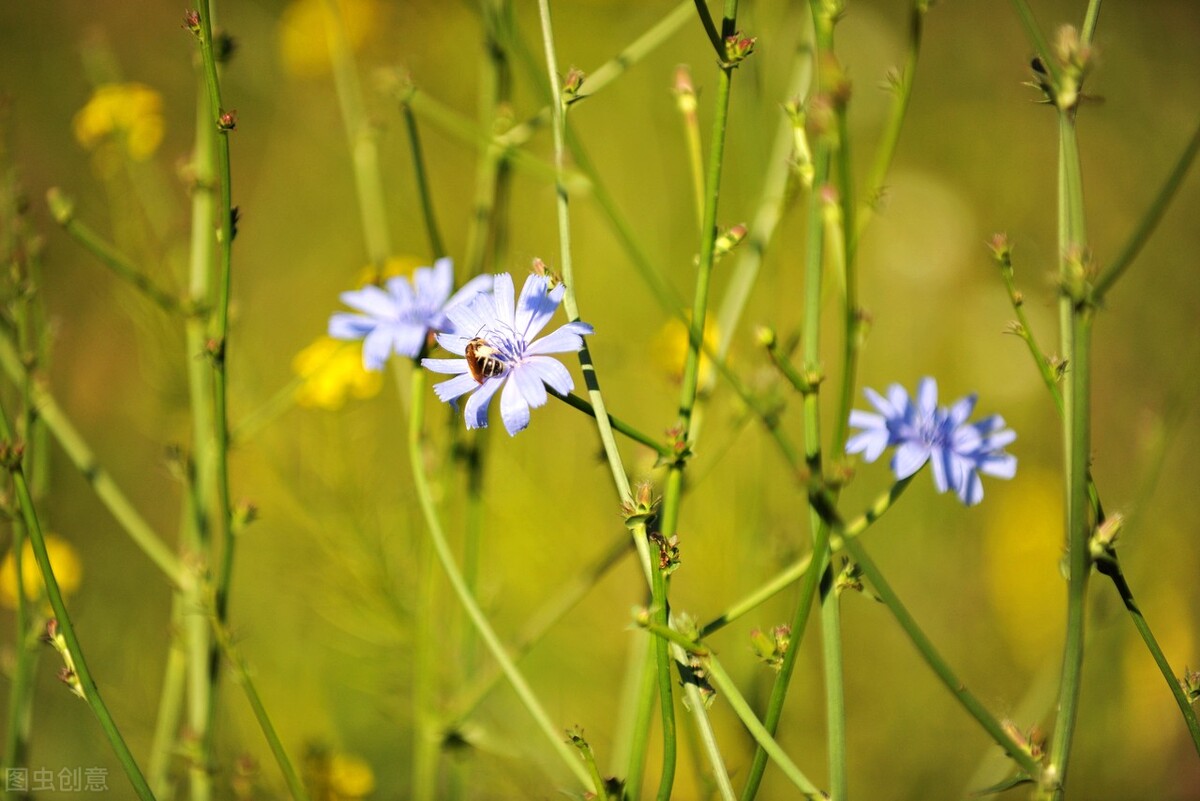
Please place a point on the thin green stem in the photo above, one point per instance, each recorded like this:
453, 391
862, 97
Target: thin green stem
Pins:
170, 706
797, 569
618, 425
1090, 18
241, 675
710, 28
643, 682
360, 137
813, 264
101, 482
425, 665
685, 101
635, 51
554, 609
766, 741
1150, 220
436, 246
935, 661
1038, 40
446, 557
64, 214
661, 613
82, 673
772, 201
885, 151
1112, 569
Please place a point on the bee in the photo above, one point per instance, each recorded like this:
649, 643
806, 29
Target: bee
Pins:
483, 360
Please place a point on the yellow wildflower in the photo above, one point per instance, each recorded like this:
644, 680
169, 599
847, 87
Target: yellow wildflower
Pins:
394, 266
350, 777
130, 111
302, 39
671, 347
63, 558
332, 370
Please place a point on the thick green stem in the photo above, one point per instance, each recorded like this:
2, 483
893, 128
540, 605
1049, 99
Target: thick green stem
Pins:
1076, 321
82, 673
218, 350
423, 191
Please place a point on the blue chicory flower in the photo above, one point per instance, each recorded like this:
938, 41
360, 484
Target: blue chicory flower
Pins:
398, 317
925, 432
522, 365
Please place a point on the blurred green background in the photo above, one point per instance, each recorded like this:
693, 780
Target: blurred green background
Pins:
325, 580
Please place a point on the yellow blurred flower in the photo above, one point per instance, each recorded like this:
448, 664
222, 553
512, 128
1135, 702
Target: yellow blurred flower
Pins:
302, 42
671, 347
63, 558
1023, 547
350, 777
130, 111
394, 266
332, 370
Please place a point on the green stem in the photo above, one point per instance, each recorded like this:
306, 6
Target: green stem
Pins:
710, 28
1076, 321
1040, 45
360, 137
618, 425
1150, 219
726, 687
935, 661
63, 212
83, 673
436, 245
1112, 569
554, 609
769, 210
242, 676
101, 482
686, 102
661, 615
196, 534
426, 747
170, 705
442, 548
902, 93
813, 264
635, 51
642, 681
1089, 21
218, 351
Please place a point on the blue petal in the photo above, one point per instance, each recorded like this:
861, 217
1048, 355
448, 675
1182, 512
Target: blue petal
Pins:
350, 326
909, 458
401, 292
962, 409
371, 300
514, 409
476, 411
456, 387
502, 288
532, 389
551, 372
927, 396
467, 292
941, 471
446, 366
377, 347
536, 306
870, 443
881, 403
433, 284
566, 339
469, 319
455, 343
999, 465
971, 491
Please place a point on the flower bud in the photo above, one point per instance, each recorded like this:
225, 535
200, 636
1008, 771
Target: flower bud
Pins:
738, 47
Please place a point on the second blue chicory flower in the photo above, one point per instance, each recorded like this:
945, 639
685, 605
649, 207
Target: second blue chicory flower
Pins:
921, 432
